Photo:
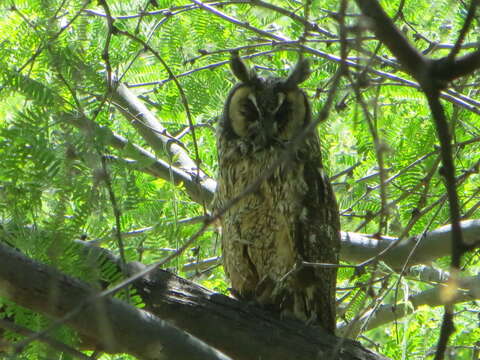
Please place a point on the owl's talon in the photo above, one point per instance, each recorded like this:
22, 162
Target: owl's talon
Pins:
313, 320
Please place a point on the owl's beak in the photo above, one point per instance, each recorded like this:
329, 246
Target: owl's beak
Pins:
267, 128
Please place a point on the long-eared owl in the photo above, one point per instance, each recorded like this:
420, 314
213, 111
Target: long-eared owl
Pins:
292, 217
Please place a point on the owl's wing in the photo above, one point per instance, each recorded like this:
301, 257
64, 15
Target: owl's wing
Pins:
318, 237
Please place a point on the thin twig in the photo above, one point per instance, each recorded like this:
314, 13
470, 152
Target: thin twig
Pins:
463, 32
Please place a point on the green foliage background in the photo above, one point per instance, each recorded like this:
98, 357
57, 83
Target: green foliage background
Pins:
53, 68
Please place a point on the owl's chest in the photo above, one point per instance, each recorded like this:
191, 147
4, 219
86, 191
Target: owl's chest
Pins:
273, 205
262, 223
277, 186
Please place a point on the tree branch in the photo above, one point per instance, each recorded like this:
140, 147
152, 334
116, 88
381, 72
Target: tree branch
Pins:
242, 331
395, 33
434, 244
426, 73
114, 326
157, 136
385, 30
357, 248
201, 192
468, 289
462, 66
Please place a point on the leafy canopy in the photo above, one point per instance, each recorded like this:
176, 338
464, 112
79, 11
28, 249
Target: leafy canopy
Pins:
61, 174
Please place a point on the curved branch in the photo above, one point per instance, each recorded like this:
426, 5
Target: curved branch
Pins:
201, 192
113, 325
158, 137
462, 66
468, 289
242, 331
357, 248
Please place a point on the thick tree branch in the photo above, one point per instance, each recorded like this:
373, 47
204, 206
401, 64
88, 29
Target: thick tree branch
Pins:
157, 136
114, 326
468, 289
201, 192
434, 244
165, 301
242, 331
357, 248
218, 320
385, 30
462, 66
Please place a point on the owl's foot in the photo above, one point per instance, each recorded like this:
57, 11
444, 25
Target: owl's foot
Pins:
264, 291
235, 293
247, 297
312, 320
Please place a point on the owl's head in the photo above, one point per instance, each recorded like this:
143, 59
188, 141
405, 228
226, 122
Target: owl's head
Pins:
266, 111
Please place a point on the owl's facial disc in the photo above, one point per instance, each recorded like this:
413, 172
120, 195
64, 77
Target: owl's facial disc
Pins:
267, 115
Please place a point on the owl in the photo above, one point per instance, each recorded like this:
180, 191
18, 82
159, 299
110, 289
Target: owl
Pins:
292, 216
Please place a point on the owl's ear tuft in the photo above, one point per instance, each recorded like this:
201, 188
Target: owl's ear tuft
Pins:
240, 70
299, 74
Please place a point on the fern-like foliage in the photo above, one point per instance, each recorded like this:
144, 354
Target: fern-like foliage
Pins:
62, 179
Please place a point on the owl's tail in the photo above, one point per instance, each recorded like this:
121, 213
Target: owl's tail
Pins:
320, 307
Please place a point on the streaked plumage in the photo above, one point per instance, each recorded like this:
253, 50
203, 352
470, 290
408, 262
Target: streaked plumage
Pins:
292, 217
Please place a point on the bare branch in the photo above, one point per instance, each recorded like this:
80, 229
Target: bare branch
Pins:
237, 22
201, 192
152, 130
387, 33
459, 67
468, 289
244, 332
426, 73
115, 326
357, 248
463, 32
310, 26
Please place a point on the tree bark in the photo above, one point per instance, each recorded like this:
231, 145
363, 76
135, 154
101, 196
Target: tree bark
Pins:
107, 324
423, 249
239, 330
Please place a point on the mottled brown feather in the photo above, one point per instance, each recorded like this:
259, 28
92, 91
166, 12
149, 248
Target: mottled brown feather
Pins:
291, 218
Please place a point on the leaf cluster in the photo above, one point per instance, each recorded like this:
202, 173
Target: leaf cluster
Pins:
58, 173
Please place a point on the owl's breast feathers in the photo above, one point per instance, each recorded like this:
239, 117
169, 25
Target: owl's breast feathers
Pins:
292, 217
